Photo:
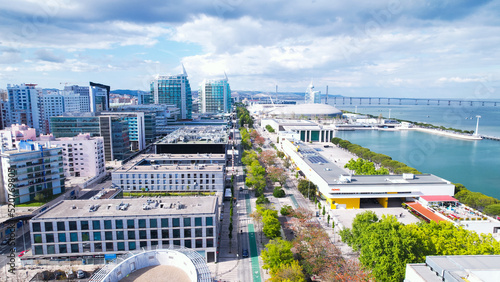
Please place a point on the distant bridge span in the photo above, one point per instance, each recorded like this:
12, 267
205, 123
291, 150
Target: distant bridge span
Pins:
418, 101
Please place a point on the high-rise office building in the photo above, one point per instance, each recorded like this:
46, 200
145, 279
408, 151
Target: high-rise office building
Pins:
99, 97
174, 89
215, 96
84, 96
24, 105
113, 129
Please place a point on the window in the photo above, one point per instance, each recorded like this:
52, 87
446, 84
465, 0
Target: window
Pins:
38, 238
49, 238
119, 235
38, 250
164, 233
153, 223
175, 222
187, 221
209, 221
96, 224
85, 236
210, 243
97, 236
48, 226
84, 225
72, 225
187, 233
107, 224
187, 243
197, 221
97, 247
131, 246
119, 224
61, 237
142, 223
210, 232
143, 244
108, 236
131, 235
61, 226
142, 234
130, 223
154, 243
121, 246
154, 234
63, 249
73, 237
165, 243
177, 242
198, 232
109, 247
74, 248
199, 243
164, 222
176, 233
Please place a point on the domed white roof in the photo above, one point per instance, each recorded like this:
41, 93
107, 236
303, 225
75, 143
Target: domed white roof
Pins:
307, 110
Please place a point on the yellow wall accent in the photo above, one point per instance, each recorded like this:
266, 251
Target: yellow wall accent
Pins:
383, 201
351, 203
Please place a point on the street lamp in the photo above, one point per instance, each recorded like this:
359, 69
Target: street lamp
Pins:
477, 126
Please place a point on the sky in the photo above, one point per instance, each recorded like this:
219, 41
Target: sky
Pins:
386, 48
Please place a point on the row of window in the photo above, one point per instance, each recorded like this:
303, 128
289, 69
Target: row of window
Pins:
170, 187
121, 223
158, 175
122, 235
177, 181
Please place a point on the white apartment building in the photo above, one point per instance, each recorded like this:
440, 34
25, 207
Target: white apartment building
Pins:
33, 169
170, 172
83, 156
84, 96
117, 226
11, 135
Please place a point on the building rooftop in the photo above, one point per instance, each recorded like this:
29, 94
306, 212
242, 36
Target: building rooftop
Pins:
161, 162
333, 174
459, 268
79, 209
439, 198
197, 135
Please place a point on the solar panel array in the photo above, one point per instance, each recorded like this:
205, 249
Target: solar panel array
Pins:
317, 159
307, 151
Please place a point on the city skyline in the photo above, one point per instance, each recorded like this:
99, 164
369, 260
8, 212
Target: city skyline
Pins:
392, 49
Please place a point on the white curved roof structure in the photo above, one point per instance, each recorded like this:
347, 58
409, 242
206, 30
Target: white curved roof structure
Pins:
306, 110
193, 264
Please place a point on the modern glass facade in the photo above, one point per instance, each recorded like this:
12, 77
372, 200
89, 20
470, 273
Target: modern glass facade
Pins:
174, 90
215, 96
114, 130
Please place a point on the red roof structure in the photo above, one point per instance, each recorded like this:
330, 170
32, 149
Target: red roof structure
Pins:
439, 198
423, 211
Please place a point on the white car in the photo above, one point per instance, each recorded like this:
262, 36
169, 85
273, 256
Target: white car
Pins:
80, 274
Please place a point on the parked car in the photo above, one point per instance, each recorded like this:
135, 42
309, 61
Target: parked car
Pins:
5, 242
21, 253
244, 253
70, 274
80, 274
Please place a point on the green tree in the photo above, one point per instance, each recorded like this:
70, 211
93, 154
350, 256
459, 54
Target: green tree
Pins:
286, 210
291, 272
278, 192
276, 253
324, 211
493, 210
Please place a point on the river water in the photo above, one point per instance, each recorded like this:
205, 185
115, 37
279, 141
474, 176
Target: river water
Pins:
476, 164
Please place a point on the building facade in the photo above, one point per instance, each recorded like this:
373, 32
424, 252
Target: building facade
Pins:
114, 130
24, 105
215, 96
15, 133
83, 156
174, 89
99, 97
33, 169
117, 226
171, 172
